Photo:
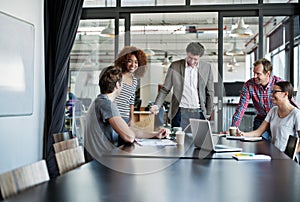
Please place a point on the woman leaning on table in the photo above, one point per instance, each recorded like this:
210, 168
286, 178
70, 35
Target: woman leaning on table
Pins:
283, 119
103, 118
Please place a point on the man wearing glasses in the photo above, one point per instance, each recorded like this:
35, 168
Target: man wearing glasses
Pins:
258, 89
193, 88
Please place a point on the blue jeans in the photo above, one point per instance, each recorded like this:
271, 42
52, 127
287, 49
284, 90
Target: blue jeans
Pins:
257, 122
181, 119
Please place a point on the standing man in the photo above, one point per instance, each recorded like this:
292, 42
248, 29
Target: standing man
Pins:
258, 89
193, 88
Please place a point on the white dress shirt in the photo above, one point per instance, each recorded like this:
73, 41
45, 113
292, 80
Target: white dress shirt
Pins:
190, 98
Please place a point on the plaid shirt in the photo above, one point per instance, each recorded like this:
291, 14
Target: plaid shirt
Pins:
261, 98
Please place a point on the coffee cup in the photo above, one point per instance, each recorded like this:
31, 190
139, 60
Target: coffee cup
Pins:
175, 129
233, 131
180, 137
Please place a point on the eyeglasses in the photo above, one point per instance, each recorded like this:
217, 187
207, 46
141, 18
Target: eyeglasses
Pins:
276, 91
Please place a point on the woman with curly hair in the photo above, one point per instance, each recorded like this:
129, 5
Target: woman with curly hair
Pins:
133, 62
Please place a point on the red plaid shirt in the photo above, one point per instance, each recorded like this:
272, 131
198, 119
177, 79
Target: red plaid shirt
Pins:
260, 96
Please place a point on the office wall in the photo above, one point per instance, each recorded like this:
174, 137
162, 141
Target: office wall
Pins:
21, 137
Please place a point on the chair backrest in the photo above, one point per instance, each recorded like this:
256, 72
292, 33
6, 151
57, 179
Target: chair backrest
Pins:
19, 179
64, 145
58, 137
69, 159
291, 147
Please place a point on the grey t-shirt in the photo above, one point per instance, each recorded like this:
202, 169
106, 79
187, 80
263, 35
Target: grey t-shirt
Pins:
106, 109
282, 128
98, 132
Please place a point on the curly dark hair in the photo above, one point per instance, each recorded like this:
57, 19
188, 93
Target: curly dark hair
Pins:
124, 56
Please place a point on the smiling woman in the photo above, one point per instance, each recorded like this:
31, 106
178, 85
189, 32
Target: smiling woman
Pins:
283, 119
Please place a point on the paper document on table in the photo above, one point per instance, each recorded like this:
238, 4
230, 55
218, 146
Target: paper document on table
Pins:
229, 137
251, 156
156, 142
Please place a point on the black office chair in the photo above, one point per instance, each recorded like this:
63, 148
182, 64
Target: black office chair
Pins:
291, 147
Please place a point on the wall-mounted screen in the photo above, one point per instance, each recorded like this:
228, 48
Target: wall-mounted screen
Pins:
16, 66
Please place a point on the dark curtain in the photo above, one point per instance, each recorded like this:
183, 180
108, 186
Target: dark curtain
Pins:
61, 23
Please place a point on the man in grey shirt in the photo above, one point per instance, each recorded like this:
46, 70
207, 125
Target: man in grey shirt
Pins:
193, 88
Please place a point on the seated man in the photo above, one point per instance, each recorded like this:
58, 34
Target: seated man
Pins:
103, 117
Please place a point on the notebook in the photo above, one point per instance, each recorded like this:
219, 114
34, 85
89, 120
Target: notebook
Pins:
203, 137
251, 157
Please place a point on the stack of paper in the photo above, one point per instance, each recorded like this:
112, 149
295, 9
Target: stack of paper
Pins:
155, 142
229, 137
251, 156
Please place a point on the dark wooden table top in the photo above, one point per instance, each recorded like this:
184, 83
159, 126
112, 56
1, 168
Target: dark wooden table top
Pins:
161, 179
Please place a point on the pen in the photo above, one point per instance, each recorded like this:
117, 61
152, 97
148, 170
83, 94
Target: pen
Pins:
136, 142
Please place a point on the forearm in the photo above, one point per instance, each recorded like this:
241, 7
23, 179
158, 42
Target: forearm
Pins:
254, 133
161, 133
122, 129
131, 113
142, 134
259, 131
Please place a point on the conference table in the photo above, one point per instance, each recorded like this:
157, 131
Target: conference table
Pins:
136, 173
189, 151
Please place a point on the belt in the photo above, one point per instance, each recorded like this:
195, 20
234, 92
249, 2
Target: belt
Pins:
191, 109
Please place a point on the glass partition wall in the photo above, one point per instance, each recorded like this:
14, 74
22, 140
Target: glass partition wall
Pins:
163, 33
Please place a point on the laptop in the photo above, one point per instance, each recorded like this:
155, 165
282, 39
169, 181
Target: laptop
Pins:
204, 139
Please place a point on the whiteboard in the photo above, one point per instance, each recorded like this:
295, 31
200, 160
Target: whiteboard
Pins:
16, 66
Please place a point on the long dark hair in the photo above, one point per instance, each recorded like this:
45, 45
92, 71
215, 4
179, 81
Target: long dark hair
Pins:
286, 86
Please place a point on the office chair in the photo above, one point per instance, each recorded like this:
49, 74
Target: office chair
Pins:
64, 145
69, 159
19, 179
291, 147
58, 137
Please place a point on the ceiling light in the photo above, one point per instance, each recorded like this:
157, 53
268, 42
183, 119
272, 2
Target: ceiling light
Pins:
149, 52
166, 61
231, 69
235, 50
233, 62
241, 30
109, 30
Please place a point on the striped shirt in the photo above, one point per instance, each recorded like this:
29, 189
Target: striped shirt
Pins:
261, 98
126, 98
